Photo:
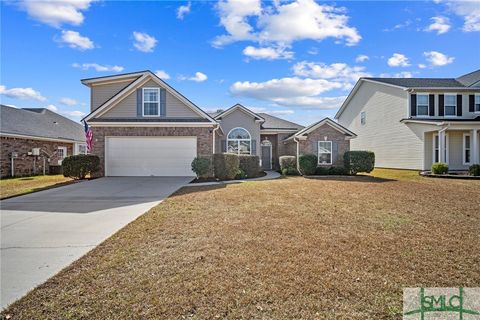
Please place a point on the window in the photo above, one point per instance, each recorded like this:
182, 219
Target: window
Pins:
466, 149
239, 141
324, 152
436, 149
477, 103
151, 102
450, 105
82, 149
422, 105
61, 154
363, 119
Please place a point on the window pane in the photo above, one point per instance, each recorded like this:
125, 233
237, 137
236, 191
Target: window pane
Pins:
450, 100
232, 147
467, 142
449, 110
244, 147
422, 110
324, 146
239, 133
477, 103
150, 95
150, 109
325, 158
422, 99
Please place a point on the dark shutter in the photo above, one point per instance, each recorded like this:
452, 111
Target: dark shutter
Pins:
413, 105
431, 105
334, 152
254, 147
471, 103
163, 102
441, 105
223, 146
139, 102
459, 105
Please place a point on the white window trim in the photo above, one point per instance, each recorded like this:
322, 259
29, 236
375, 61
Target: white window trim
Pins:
64, 153
77, 148
143, 102
238, 141
428, 105
363, 118
475, 99
318, 153
447, 142
444, 105
464, 149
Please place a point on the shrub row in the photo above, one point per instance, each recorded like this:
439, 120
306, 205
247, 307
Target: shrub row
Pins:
442, 168
226, 166
354, 162
81, 165
288, 165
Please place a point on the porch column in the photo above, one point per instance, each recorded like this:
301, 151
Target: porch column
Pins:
475, 146
441, 146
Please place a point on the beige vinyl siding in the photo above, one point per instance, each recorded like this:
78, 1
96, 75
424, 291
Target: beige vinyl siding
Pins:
127, 108
395, 144
102, 92
239, 118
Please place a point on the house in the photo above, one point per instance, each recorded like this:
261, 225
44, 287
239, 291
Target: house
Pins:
411, 123
34, 140
142, 126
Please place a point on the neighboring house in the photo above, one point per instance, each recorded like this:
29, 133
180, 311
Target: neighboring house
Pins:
33, 140
411, 123
142, 127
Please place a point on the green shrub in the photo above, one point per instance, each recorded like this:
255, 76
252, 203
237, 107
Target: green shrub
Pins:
359, 161
474, 170
321, 171
225, 165
308, 164
78, 166
439, 168
240, 174
337, 171
287, 162
290, 171
250, 165
202, 166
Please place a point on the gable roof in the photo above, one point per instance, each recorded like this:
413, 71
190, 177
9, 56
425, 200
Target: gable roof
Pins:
143, 77
471, 79
39, 123
305, 131
242, 108
272, 123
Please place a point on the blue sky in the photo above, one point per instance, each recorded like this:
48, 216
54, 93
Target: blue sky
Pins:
295, 59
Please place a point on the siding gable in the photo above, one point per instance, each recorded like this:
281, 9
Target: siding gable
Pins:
101, 93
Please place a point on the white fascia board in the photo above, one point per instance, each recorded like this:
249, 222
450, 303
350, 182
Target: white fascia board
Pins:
111, 79
151, 124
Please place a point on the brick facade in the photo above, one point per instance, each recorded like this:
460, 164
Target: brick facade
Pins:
24, 164
204, 138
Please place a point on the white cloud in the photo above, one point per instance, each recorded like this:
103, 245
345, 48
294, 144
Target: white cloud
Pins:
440, 25
283, 23
267, 53
183, 10
98, 67
422, 66
362, 58
22, 93
52, 107
144, 42
398, 60
469, 11
198, 77
438, 59
76, 41
74, 115
162, 74
282, 112
339, 72
402, 25
68, 101
56, 12
403, 74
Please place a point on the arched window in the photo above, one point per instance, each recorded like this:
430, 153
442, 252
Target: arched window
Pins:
239, 141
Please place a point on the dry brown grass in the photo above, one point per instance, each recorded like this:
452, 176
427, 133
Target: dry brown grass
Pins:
12, 187
288, 248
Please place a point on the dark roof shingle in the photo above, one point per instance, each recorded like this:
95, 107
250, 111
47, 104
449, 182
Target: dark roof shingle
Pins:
420, 82
272, 122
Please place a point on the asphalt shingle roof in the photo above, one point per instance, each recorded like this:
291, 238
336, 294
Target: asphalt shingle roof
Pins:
272, 122
466, 81
39, 122
470, 79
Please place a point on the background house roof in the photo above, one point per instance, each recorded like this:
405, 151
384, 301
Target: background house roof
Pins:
272, 122
40, 122
470, 79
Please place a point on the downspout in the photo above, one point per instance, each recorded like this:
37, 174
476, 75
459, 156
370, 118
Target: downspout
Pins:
215, 128
298, 149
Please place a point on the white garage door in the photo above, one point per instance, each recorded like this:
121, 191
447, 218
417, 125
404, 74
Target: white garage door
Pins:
149, 156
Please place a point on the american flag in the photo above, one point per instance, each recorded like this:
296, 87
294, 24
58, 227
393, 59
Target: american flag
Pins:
88, 136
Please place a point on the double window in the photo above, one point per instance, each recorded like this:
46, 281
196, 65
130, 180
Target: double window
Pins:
450, 105
324, 152
239, 141
466, 149
422, 105
151, 102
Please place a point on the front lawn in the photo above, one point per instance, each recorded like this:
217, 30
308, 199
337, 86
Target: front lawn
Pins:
282, 249
10, 187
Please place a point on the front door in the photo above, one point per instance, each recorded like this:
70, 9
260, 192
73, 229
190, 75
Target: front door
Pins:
267, 157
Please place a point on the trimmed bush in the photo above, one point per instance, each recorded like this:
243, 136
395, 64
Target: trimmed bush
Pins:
78, 166
439, 168
202, 167
241, 174
289, 171
287, 162
359, 161
474, 170
321, 171
336, 171
249, 165
225, 165
308, 164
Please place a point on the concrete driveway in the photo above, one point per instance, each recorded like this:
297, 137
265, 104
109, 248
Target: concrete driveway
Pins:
43, 232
